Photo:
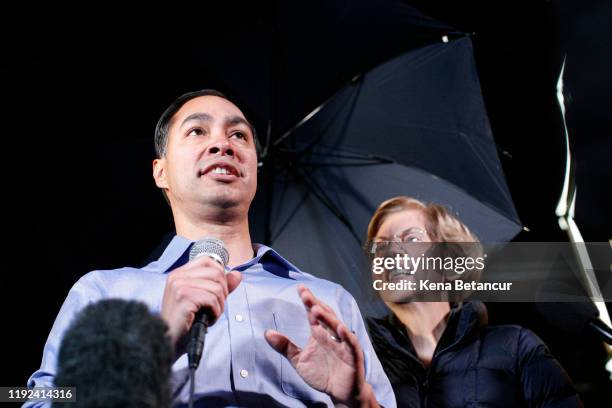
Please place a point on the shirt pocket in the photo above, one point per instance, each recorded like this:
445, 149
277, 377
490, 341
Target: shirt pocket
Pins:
293, 323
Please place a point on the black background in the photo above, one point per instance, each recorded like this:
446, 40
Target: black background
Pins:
88, 84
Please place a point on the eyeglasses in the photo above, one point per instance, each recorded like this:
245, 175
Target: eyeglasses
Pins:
396, 243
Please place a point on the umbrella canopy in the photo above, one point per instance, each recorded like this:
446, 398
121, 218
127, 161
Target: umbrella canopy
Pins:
415, 125
282, 59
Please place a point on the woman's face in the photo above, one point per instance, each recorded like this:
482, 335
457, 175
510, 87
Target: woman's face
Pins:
402, 233
405, 226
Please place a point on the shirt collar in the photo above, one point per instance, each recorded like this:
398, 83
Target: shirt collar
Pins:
265, 254
173, 252
177, 250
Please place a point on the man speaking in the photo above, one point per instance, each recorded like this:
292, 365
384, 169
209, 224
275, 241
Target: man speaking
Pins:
277, 336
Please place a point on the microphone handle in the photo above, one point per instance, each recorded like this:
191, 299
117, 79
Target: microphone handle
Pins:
201, 322
602, 329
197, 336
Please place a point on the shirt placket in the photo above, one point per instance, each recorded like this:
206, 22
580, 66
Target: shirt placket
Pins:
241, 340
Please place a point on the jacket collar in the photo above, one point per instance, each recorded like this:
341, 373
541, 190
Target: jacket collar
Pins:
464, 323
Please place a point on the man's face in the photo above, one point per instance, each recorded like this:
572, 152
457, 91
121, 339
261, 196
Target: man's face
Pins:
210, 158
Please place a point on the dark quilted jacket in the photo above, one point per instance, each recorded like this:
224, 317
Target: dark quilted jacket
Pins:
474, 365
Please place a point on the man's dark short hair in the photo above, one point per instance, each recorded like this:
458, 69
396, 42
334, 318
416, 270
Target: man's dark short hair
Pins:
162, 129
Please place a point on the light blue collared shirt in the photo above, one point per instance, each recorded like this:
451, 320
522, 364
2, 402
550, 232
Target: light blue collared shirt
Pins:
238, 367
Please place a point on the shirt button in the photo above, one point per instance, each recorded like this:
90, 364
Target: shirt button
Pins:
239, 317
244, 373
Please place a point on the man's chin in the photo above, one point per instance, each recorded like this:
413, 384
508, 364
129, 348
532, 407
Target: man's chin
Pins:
223, 203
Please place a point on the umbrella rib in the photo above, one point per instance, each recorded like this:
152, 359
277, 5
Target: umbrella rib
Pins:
356, 156
268, 222
374, 160
280, 229
322, 164
322, 105
301, 122
326, 201
313, 112
356, 92
264, 154
274, 235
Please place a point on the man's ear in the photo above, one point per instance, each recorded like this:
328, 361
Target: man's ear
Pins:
159, 172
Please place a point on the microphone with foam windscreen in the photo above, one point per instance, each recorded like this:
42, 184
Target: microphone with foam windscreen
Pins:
214, 249
117, 354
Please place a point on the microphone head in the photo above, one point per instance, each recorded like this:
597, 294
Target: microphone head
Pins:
211, 247
565, 307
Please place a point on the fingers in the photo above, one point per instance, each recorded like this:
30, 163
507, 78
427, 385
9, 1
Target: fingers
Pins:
233, 280
326, 318
318, 312
309, 299
199, 284
196, 298
203, 293
196, 271
282, 344
352, 341
349, 338
204, 261
323, 314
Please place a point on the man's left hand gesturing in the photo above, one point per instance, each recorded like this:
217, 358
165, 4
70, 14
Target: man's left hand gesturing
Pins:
332, 360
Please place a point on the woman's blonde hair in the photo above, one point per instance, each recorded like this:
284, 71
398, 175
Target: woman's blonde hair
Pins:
441, 225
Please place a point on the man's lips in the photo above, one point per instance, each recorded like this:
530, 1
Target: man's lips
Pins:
221, 170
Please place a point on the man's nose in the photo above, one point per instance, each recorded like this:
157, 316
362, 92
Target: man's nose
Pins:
221, 148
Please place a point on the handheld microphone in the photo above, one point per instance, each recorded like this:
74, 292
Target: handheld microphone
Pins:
214, 249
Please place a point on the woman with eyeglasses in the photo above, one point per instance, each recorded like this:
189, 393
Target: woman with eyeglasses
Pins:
443, 353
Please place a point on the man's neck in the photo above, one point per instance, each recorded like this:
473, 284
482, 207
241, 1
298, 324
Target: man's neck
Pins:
234, 233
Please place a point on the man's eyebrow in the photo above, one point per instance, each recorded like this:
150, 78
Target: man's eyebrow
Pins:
229, 120
200, 117
237, 120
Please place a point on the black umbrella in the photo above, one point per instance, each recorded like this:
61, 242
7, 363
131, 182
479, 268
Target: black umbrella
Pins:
354, 102
282, 59
415, 125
